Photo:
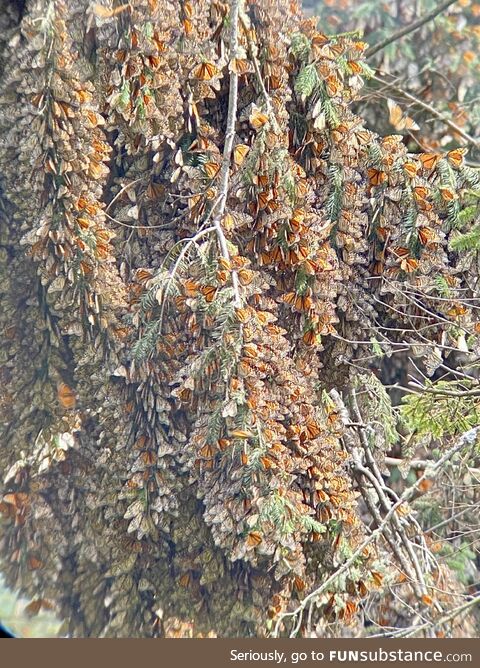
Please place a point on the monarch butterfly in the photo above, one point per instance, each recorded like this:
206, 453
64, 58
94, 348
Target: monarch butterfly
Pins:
420, 192
185, 580
243, 315
332, 51
312, 429
425, 235
355, 66
362, 588
376, 177
310, 337
410, 168
250, 350
409, 265
321, 496
66, 396
289, 298
363, 136
238, 261
190, 288
206, 71
429, 160
207, 451
456, 157
245, 276
297, 219
303, 303
447, 194
457, 310
240, 433
211, 169
143, 275
240, 66
262, 200
272, 82
398, 119
149, 457
348, 611
333, 85
257, 119
328, 609
319, 39
222, 276
239, 153
106, 13
254, 539
223, 444
267, 463
35, 606
299, 584
423, 205
209, 292
400, 251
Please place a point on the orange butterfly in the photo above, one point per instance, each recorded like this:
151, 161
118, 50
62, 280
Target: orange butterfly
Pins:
456, 157
206, 71
410, 168
66, 396
398, 119
429, 160
209, 292
355, 66
376, 176
239, 153
211, 169
245, 276
425, 235
447, 194
208, 451
420, 192
254, 538
240, 433
257, 119
239, 66
409, 265
310, 337
106, 13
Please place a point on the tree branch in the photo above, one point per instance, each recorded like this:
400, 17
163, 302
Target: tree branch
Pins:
228, 147
409, 29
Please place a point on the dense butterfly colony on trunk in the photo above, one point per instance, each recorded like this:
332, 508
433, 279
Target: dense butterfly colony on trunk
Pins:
198, 243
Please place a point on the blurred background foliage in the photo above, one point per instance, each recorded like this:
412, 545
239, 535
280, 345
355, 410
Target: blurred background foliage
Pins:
439, 64
16, 618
